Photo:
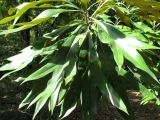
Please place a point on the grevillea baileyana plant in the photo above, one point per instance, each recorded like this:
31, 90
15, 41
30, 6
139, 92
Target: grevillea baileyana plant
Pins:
97, 50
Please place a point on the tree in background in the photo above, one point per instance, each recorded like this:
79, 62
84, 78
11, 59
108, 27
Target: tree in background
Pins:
97, 49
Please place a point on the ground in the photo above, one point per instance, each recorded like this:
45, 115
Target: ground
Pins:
9, 109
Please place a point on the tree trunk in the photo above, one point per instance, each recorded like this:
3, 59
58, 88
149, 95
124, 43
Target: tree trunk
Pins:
26, 33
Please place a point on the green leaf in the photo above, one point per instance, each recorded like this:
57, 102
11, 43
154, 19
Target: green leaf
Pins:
143, 27
89, 97
70, 99
58, 71
22, 9
20, 61
85, 2
43, 71
70, 110
137, 35
118, 55
109, 29
26, 55
104, 37
53, 99
71, 71
103, 34
55, 33
106, 88
12, 11
133, 83
127, 46
133, 56
105, 18
44, 16
139, 44
108, 34
51, 89
147, 95
37, 88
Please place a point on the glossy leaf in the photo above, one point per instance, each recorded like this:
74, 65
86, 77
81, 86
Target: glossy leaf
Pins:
132, 55
106, 89
95, 50
44, 16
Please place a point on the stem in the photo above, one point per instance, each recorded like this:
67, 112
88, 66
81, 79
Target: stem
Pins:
92, 5
99, 8
86, 17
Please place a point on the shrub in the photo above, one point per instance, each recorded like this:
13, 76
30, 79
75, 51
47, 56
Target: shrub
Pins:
96, 50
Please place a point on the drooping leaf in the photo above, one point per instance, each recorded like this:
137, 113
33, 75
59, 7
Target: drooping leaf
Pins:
133, 56
44, 16
118, 55
43, 71
106, 89
20, 61
125, 46
50, 90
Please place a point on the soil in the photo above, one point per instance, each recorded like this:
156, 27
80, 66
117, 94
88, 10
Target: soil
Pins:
9, 110
142, 112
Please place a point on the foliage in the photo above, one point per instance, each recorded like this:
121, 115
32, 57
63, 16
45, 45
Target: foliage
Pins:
96, 50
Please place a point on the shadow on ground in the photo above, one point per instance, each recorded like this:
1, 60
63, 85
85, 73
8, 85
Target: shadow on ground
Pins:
9, 110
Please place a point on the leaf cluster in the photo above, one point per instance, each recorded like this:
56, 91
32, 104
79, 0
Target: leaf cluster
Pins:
96, 51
